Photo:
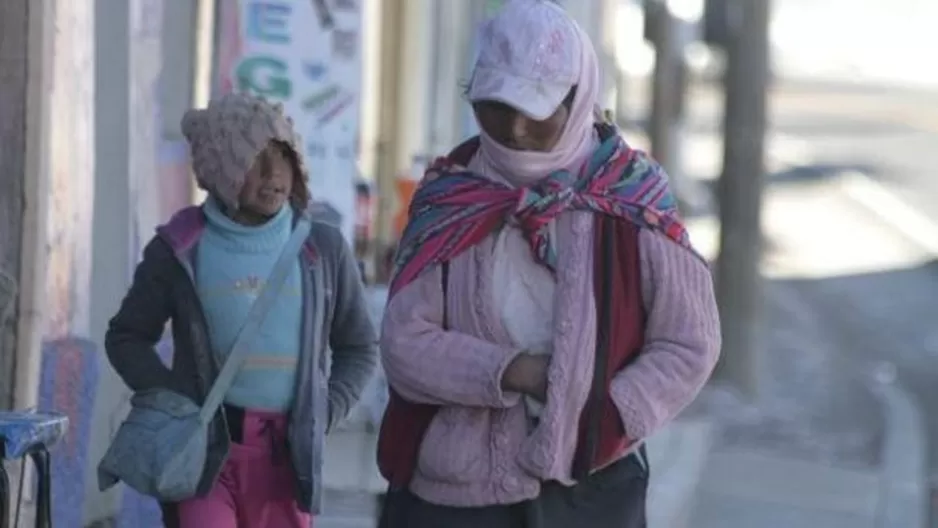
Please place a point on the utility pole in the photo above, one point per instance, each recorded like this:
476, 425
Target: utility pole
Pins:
669, 36
740, 188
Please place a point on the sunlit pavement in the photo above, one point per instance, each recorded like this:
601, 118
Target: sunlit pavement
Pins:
871, 41
818, 238
852, 239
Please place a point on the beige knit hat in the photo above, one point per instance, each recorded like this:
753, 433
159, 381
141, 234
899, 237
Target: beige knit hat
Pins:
226, 137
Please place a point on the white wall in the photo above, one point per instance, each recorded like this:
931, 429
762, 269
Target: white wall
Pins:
131, 124
111, 246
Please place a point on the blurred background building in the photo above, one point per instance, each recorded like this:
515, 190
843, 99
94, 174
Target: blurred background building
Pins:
801, 136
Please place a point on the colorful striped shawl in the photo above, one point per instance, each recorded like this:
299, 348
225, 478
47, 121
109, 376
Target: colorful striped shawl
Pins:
454, 209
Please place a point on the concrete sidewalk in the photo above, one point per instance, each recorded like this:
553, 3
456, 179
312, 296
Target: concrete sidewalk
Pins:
678, 458
757, 490
677, 455
816, 233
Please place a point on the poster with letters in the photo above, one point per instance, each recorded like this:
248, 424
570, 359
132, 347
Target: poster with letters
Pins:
307, 55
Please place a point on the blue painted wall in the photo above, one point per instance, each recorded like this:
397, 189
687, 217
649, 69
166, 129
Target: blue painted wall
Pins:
68, 385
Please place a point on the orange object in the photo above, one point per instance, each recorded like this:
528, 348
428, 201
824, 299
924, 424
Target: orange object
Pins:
405, 191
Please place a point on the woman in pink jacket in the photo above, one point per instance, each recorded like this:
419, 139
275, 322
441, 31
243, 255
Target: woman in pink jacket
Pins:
547, 312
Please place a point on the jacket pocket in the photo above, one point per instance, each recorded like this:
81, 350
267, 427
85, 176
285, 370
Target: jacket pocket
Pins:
456, 447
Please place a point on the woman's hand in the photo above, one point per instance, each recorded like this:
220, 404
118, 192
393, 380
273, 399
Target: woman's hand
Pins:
527, 374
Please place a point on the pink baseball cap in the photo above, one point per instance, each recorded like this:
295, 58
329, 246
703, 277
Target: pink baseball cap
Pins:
529, 58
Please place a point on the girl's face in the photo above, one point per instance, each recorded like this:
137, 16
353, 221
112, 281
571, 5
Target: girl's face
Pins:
268, 185
512, 129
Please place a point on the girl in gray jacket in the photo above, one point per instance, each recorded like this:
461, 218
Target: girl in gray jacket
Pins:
202, 271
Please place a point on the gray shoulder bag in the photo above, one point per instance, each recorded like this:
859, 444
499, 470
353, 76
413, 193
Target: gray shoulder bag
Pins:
161, 448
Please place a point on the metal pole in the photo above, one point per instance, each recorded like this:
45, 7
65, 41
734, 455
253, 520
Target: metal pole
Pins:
740, 189
668, 89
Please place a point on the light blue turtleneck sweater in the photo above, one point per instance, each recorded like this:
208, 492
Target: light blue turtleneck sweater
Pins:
232, 261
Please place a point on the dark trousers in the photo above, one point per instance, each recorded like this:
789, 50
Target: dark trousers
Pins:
611, 498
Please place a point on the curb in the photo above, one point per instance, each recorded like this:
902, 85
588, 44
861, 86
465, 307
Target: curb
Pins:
904, 495
680, 451
892, 210
905, 492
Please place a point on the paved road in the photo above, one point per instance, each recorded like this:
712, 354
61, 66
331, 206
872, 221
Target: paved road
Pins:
887, 314
892, 136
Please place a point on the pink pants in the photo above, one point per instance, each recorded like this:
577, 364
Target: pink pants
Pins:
256, 486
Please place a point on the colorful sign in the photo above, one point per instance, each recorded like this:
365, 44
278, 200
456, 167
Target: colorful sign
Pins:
306, 55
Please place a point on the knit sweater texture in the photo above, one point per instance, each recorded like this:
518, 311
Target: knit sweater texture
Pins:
233, 262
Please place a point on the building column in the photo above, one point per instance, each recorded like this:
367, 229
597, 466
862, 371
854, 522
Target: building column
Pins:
372, 87
112, 226
128, 127
391, 58
46, 202
452, 38
414, 97
403, 130
25, 98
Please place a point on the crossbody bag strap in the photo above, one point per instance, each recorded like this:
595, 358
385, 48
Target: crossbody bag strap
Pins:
255, 318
